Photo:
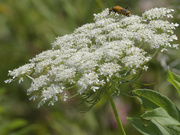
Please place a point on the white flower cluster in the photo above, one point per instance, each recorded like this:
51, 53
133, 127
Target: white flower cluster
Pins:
95, 53
157, 13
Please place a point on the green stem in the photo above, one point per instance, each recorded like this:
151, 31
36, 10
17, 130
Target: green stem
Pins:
122, 132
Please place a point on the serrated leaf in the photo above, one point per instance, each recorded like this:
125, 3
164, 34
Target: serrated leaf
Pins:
174, 79
150, 129
154, 127
160, 116
153, 97
162, 128
175, 129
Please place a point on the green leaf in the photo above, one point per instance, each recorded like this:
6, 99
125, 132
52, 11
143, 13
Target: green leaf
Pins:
174, 79
160, 116
150, 129
147, 104
176, 129
162, 128
150, 97
155, 127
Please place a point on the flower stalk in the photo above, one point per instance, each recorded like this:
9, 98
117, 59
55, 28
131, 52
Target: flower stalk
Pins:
122, 131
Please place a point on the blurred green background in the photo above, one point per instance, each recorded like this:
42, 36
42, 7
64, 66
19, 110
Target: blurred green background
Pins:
28, 27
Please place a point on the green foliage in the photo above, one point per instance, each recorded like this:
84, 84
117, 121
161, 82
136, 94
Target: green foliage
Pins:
10, 124
162, 116
174, 79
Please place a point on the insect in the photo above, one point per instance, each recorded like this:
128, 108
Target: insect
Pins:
120, 10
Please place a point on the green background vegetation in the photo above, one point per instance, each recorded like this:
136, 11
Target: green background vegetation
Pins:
28, 27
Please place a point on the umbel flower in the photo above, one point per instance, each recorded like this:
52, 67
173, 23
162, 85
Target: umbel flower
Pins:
97, 55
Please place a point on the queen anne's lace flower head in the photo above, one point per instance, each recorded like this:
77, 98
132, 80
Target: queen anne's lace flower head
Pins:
87, 60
